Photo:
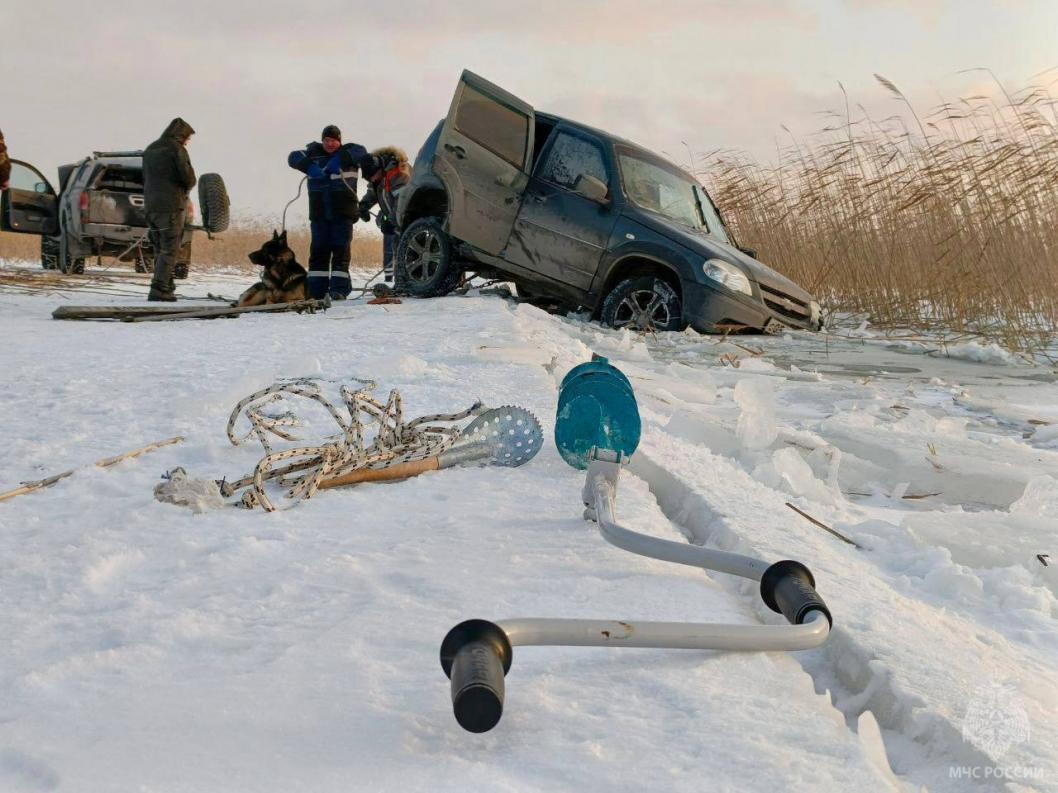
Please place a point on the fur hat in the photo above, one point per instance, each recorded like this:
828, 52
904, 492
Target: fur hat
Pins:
331, 131
390, 157
391, 154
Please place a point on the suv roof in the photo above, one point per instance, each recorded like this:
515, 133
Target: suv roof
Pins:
609, 136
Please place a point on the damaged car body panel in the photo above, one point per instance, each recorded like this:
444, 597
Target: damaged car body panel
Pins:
583, 218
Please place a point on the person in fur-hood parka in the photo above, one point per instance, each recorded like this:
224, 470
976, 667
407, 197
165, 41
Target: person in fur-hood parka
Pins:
386, 170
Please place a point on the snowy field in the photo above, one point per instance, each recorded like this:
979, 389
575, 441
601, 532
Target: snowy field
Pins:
151, 649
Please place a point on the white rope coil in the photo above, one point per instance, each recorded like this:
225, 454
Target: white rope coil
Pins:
371, 435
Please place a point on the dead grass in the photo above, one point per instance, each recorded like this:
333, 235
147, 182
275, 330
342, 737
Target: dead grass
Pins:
19, 247
227, 250
947, 220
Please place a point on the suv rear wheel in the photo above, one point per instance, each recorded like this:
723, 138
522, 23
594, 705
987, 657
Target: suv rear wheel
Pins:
425, 265
643, 302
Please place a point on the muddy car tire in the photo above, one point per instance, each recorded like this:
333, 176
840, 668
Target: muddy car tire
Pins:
49, 253
425, 265
643, 302
213, 203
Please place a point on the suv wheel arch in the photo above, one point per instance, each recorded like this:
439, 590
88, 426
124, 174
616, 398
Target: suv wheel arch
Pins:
427, 201
633, 265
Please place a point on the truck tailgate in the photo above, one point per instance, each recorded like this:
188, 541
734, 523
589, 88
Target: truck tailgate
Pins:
116, 207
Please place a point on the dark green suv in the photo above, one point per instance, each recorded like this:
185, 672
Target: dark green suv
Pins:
581, 218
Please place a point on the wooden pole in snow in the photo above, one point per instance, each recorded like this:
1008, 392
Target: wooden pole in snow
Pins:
106, 462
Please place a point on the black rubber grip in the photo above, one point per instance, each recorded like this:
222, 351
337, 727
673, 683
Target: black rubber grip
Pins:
476, 655
788, 588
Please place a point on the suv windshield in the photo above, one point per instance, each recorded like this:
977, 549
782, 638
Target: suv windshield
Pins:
657, 186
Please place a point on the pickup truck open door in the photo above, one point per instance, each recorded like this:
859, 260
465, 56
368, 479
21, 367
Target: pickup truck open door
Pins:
484, 155
29, 205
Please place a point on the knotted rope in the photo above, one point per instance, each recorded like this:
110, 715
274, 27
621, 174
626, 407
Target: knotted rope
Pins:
371, 435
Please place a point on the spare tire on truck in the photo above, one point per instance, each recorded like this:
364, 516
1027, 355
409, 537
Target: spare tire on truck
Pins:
213, 203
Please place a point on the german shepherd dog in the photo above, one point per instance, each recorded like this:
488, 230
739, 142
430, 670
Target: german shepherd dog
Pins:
282, 279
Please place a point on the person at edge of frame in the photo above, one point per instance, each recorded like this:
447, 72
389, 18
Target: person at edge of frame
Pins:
5, 163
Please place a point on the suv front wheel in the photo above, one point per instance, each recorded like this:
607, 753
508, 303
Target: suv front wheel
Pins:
425, 265
643, 302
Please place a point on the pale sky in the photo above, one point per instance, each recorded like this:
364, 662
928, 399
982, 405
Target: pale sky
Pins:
257, 79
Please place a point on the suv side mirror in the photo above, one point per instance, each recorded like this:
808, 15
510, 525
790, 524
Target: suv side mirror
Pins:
591, 188
40, 187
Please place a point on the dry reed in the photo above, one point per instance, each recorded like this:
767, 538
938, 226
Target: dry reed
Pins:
228, 250
947, 221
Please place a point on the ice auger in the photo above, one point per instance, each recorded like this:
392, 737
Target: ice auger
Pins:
597, 427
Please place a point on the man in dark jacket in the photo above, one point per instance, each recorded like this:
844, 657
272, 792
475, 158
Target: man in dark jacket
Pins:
386, 170
167, 179
333, 209
5, 164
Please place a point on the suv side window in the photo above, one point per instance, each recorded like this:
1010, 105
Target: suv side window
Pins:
571, 156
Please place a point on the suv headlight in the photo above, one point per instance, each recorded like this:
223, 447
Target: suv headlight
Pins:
728, 275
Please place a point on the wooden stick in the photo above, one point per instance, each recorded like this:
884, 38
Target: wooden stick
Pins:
402, 471
823, 526
210, 312
114, 312
29, 487
150, 447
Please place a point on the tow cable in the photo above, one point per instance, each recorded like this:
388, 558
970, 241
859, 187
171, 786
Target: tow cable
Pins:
597, 427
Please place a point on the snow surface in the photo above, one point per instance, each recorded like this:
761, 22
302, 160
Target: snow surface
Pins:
149, 648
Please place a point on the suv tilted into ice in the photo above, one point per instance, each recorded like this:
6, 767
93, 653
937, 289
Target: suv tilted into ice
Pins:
99, 211
581, 217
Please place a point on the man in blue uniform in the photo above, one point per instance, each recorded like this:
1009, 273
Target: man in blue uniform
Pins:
331, 168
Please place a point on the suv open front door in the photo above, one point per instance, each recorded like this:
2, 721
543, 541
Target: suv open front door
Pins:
483, 157
29, 205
